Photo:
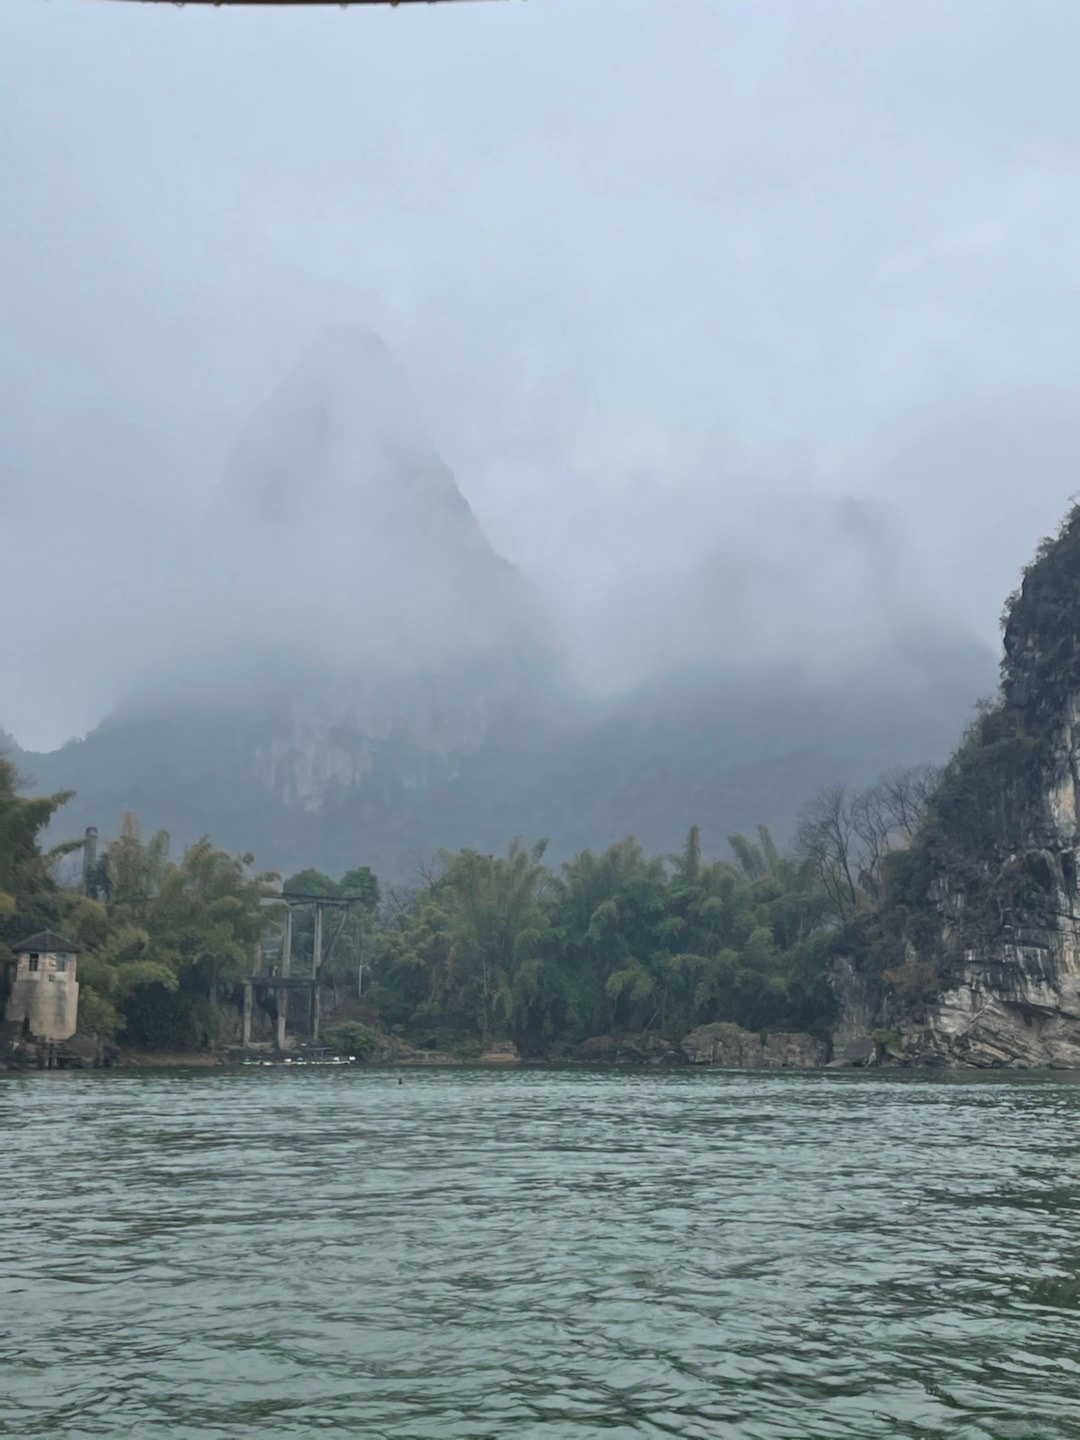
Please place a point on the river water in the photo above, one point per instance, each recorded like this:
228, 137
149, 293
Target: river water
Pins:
551, 1255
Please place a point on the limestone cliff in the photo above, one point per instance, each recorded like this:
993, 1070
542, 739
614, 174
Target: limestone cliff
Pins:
974, 957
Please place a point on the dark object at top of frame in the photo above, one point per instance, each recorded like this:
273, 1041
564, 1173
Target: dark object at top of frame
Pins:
341, 4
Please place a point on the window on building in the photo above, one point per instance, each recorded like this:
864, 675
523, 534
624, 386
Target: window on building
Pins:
61, 964
34, 961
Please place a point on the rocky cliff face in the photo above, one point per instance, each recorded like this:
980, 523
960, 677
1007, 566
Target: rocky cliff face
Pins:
730, 1047
723, 1046
975, 956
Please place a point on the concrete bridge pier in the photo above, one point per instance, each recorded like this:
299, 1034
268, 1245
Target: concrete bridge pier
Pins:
282, 1013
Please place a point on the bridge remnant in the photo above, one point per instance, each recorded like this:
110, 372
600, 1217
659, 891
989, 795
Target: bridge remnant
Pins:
280, 981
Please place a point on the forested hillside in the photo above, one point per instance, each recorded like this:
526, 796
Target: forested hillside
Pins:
479, 947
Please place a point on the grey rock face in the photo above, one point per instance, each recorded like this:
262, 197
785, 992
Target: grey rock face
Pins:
859, 1002
975, 957
793, 1051
1013, 998
730, 1047
629, 1050
1013, 1006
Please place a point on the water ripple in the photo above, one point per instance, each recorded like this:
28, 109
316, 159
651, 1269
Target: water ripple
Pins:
558, 1255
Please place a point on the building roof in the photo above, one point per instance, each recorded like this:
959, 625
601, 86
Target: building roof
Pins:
48, 941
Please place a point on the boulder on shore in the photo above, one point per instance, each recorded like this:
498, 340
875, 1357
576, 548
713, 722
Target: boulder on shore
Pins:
500, 1052
80, 1052
730, 1047
643, 1049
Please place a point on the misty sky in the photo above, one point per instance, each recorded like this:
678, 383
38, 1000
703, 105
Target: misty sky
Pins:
783, 294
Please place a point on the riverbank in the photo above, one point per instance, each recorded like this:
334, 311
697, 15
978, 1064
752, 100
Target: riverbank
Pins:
721, 1046
168, 1059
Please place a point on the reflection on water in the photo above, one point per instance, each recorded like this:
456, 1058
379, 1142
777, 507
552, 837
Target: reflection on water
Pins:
557, 1255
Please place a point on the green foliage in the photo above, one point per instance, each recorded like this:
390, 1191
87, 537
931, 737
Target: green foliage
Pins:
164, 944
466, 954
131, 871
887, 1039
359, 883
353, 1038
97, 1015
975, 846
178, 943
499, 947
310, 882
496, 947
345, 938
29, 898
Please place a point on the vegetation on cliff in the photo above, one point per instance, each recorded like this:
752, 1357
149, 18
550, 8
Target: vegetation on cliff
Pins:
989, 855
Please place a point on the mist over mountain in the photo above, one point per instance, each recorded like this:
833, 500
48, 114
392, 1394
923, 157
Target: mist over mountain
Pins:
354, 676
743, 387
351, 531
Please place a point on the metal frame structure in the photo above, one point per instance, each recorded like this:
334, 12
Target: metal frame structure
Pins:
281, 984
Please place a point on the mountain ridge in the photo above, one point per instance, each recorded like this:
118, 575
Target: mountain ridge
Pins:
415, 695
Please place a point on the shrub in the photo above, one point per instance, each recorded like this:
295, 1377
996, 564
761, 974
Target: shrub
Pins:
96, 1015
352, 1038
888, 1039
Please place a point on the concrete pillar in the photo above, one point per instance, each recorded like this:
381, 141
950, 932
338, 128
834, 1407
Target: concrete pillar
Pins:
247, 1014
316, 966
286, 945
282, 1007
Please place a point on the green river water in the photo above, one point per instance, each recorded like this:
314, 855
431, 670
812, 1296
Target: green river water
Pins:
531, 1253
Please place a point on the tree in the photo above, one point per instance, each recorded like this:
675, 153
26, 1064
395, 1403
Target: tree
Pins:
606, 913
202, 929
362, 884
310, 882
688, 868
132, 871
466, 955
846, 835
827, 838
29, 898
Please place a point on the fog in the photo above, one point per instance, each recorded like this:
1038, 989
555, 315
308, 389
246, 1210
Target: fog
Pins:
748, 333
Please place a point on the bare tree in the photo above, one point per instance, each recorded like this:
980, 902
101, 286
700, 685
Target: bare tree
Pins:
827, 838
427, 869
397, 899
906, 793
847, 835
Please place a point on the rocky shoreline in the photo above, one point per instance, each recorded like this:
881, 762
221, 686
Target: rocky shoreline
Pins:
720, 1046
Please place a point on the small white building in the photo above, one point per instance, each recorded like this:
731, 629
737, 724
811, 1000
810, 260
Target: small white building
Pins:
44, 998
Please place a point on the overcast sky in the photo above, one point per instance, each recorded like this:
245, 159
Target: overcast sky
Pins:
664, 274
